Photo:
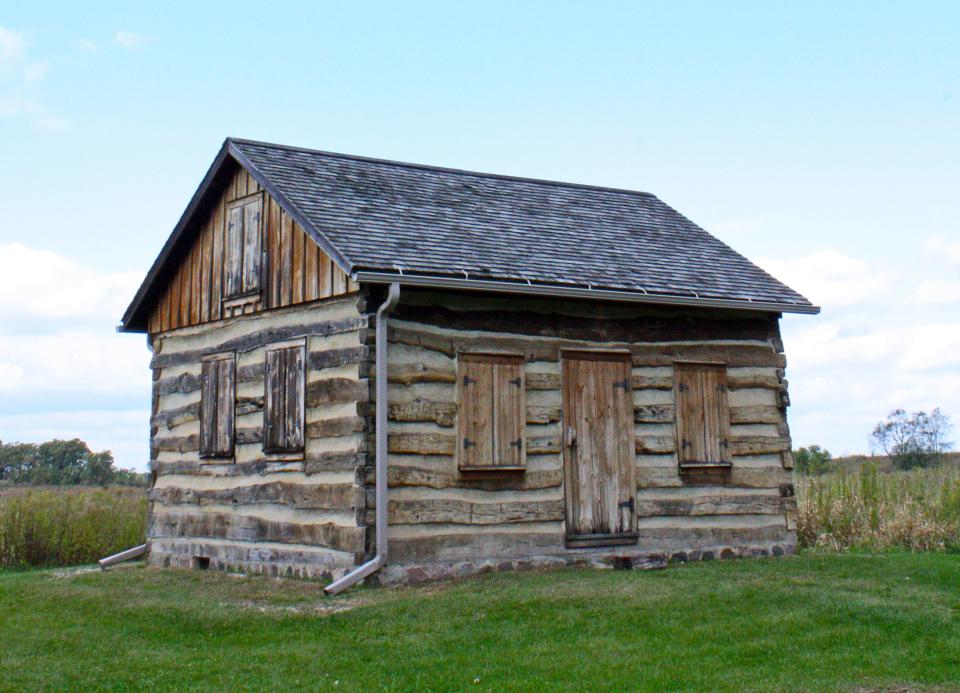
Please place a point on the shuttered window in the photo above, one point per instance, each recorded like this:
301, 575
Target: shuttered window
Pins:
217, 391
243, 247
283, 409
703, 418
491, 413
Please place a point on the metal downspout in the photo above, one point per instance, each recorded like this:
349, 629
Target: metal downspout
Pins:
375, 563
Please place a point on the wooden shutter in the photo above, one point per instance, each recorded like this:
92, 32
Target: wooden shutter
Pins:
491, 412
252, 245
476, 414
703, 418
284, 400
244, 247
508, 412
233, 258
716, 415
217, 396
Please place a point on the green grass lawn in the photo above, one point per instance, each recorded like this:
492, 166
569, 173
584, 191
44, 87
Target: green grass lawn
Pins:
815, 622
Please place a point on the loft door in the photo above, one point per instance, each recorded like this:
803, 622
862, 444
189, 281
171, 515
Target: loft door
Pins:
598, 451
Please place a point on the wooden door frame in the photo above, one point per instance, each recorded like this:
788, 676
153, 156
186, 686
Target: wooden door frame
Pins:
591, 540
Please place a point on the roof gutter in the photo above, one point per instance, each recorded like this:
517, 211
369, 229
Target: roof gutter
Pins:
508, 287
380, 482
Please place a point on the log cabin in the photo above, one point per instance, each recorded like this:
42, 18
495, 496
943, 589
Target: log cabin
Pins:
371, 368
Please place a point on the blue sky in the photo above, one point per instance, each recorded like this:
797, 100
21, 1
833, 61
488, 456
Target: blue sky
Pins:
821, 140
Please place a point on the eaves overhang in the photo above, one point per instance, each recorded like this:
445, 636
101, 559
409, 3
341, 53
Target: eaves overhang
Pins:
582, 292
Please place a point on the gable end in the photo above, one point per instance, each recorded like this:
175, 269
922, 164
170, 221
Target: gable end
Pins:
190, 282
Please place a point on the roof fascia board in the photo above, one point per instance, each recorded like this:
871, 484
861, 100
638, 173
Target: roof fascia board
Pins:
577, 292
318, 236
137, 303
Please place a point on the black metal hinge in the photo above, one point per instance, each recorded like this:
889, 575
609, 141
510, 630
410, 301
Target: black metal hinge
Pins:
516, 381
622, 384
626, 504
518, 443
467, 380
467, 443
684, 443
683, 387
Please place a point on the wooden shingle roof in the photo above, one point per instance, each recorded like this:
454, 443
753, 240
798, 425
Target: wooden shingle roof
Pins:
380, 218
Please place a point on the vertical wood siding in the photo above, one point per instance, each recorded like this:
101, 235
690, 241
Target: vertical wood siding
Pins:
295, 270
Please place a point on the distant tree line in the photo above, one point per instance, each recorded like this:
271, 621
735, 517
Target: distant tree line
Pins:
911, 441
813, 460
63, 463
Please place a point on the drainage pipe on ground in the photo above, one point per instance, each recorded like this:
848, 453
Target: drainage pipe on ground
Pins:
380, 490
122, 556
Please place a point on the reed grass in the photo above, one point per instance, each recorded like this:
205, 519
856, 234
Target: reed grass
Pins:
68, 526
917, 510
864, 509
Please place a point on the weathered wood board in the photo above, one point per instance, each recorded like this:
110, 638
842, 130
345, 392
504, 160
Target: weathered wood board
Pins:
245, 258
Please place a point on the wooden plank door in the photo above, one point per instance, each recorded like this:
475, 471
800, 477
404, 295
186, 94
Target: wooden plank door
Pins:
598, 451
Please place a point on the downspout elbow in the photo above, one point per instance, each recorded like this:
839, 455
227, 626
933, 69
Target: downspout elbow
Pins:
380, 483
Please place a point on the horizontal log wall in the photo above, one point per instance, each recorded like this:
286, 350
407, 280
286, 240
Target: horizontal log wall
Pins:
295, 269
301, 515
437, 513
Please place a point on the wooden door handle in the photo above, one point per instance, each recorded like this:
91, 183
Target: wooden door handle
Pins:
571, 436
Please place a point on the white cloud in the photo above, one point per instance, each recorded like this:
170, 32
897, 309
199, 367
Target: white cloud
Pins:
13, 50
45, 284
10, 375
18, 79
929, 347
14, 105
88, 45
933, 292
843, 382
64, 371
57, 335
74, 364
129, 39
947, 248
830, 278
13, 58
34, 72
919, 347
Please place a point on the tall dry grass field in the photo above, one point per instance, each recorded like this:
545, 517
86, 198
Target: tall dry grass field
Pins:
866, 509
55, 526
860, 509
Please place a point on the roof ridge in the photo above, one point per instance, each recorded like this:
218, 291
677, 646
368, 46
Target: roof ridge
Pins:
442, 169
